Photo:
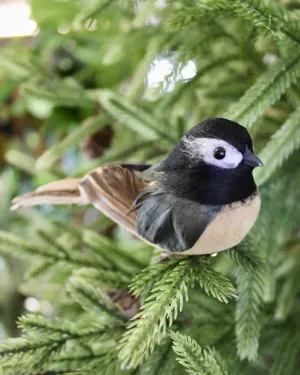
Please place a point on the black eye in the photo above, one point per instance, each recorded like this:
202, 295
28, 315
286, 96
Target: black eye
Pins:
219, 153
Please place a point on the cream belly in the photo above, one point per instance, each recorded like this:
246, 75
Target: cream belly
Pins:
229, 227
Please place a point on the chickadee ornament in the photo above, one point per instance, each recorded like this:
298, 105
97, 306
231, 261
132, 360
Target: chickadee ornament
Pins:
201, 199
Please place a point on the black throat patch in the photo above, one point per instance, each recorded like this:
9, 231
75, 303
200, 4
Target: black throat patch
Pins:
206, 184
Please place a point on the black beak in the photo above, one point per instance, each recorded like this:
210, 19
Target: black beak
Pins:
251, 159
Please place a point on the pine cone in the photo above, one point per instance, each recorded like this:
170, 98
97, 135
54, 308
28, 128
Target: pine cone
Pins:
128, 303
95, 145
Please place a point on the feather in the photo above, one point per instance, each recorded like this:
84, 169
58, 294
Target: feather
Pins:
58, 192
173, 223
111, 189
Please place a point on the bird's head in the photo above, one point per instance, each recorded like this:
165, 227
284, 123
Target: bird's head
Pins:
215, 142
214, 158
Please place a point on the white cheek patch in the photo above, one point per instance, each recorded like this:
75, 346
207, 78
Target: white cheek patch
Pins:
203, 149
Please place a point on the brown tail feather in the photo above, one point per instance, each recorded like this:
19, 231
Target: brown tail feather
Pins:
112, 189
58, 192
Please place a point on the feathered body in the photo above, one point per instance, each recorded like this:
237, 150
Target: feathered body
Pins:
201, 199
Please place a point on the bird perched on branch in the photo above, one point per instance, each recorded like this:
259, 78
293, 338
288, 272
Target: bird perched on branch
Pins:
201, 199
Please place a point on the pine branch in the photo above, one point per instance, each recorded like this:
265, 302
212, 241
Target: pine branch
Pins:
280, 25
92, 297
250, 281
137, 86
76, 236
46, 372
66, 92
17, 246
282, 144
182, 87
89, 126
288, 294
113, 155
143, 282
82, 364
197, 13
107, 364
216, 284
158, 312
161, 361
286, 353
135, 118
93, 10
248, 315
277, 21
17, 68
42, 83
20, 160
251, 255
44, 339
112, 254
46, 330
103, 277
278, 211
195, 360
98, 250
68, 251
247, 255
266, 91
165, 301
39, 268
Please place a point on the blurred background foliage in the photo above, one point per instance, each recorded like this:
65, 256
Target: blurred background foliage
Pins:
105, 81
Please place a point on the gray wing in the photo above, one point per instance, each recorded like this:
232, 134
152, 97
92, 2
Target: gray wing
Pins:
172, 223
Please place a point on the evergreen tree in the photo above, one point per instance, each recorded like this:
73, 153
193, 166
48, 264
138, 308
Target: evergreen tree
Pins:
84, 86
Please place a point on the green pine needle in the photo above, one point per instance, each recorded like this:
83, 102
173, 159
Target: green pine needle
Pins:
215, 284
45, 339
16, 246
282, 144
287, 353
143, 282
135, 118
250, 281
266, 91
92, 297
161, 308
277, 22
88, 127
195, 360
166, 300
